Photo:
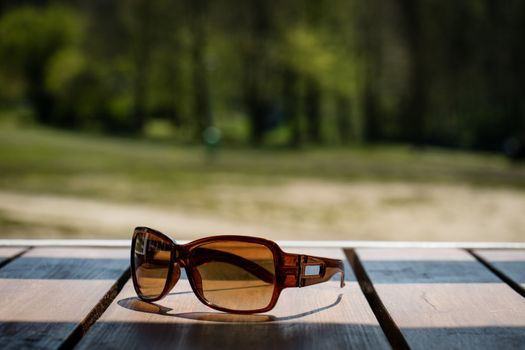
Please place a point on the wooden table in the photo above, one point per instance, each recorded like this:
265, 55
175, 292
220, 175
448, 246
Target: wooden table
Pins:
57, 294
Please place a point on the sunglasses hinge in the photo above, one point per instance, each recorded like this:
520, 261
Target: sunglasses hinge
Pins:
180, 255
303, 271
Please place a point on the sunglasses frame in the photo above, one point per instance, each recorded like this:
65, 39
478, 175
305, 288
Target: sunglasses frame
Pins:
290, 268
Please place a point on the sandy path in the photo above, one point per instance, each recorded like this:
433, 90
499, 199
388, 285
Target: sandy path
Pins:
88, 218
294, 210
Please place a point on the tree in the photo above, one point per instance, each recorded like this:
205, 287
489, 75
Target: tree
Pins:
201, 101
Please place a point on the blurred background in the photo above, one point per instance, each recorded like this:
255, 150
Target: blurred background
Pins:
340, 119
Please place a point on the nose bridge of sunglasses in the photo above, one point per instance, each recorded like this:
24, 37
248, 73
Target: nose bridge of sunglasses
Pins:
180, 255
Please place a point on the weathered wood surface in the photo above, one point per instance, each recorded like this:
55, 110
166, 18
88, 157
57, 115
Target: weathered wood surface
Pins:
316, 317
7, 253
444, 299
413, 298
49, 294
508, 262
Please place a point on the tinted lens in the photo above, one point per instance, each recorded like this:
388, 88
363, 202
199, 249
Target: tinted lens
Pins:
151, 259
234, 275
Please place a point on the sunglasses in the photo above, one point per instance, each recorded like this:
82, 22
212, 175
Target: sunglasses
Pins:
236, 274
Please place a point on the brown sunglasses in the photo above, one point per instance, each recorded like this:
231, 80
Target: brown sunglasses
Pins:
235, 274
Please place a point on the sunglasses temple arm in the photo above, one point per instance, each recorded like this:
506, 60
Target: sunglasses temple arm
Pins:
341, 271
331, 268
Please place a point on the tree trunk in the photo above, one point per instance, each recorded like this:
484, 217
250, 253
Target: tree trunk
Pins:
370, 28
414, 107
201, 100
256, 70
313, 111
142, 51
344, 125
40, 100
290, 104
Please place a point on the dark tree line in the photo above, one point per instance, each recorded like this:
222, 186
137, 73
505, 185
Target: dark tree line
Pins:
318, 72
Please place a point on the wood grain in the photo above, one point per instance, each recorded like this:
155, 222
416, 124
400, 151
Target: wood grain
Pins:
48, 292
445, 299
323, 316
7, 253
508, 262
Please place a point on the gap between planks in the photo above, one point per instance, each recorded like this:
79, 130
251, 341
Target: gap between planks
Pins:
389, 327
96, 312
10, 258
510, 282
387, 323
439, 299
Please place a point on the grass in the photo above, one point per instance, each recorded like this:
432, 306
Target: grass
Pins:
40, 160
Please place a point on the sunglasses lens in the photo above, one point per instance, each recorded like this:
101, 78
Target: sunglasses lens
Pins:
151, 260
234, 275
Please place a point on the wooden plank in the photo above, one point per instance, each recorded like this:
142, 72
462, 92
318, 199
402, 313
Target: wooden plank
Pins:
509, 263
8, 253
48, 294
316, 317
444, 298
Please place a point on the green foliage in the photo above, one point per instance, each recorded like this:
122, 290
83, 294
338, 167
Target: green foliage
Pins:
325, 48
31, 36
288, 73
